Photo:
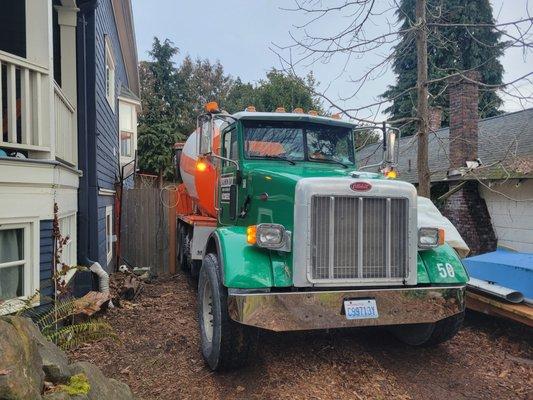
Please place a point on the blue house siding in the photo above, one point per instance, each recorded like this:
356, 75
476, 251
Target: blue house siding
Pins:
107, 122
99, 126
46, 253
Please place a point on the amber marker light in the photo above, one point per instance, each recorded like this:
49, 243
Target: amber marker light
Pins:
298, 110
314, 113
212, 107
251, 232
391, 174
280, 110
201, 165
442, 236
250, 109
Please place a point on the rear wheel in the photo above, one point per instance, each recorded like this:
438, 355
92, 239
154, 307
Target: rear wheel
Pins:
428, 335
182, 246
225, 343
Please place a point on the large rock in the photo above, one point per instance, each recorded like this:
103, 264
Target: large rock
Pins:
22, 375
26, 355
102, 387
54, 360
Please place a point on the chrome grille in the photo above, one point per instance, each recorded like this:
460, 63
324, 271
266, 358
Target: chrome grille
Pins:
359, 237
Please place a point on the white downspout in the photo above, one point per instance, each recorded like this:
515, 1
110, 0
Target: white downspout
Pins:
103, 277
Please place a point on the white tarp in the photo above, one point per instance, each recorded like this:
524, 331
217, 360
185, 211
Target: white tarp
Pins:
430, 217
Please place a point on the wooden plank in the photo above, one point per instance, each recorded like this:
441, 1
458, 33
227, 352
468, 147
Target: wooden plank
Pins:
172, 232
25, 107
37, 110
487, 305
11, 104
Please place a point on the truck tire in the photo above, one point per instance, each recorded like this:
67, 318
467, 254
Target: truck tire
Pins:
182, 258
427, 335
225, 343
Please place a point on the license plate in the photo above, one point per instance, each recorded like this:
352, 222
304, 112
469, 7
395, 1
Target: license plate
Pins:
361, 309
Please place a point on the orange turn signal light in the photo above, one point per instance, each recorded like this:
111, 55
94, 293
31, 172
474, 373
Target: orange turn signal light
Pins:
442, 236
201, 165
391, 174
251, 232
212, 107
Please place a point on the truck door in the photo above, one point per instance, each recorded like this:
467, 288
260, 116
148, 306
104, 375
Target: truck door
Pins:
228, 185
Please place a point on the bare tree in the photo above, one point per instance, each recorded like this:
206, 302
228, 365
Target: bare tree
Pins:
356, 41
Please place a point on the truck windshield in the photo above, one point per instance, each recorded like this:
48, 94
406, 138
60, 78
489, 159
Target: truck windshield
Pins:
298, 141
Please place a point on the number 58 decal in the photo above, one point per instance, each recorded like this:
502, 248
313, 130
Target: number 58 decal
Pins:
446, 270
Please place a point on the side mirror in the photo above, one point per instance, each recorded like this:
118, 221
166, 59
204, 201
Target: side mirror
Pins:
391, 147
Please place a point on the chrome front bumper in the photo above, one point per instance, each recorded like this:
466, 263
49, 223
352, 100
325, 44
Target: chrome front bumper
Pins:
293, 311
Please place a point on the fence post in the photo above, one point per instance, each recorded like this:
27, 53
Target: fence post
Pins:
172, 194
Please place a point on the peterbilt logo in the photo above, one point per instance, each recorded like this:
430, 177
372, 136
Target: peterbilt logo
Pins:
360, 186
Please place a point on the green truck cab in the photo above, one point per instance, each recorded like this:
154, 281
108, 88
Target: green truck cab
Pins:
304, 240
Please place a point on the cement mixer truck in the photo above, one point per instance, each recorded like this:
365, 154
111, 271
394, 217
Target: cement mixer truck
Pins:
285, 233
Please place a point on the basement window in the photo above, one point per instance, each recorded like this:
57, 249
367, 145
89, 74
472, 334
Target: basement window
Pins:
109, 233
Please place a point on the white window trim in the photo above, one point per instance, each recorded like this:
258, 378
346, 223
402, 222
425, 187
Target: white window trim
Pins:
72, 244
134, 105
109, 235
31, 256
110, 61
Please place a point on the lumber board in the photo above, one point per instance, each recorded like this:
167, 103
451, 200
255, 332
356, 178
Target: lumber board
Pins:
522, 313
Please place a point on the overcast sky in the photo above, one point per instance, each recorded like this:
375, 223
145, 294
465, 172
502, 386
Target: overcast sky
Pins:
240, 34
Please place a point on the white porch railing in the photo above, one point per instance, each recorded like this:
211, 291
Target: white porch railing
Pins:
22, 109
66, 128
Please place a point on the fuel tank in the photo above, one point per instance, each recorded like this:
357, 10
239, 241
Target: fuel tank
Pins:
201, 184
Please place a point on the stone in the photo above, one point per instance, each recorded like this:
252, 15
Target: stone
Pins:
102, 387
19, 356
54, 360
57, 396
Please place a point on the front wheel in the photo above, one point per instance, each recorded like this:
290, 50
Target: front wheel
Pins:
428, 335
225, 343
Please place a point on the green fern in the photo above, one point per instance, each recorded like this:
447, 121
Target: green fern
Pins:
73, 335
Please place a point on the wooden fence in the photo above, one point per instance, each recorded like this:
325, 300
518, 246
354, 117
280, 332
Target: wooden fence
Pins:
148, 222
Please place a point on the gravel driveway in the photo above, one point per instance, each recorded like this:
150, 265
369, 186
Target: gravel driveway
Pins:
159, 358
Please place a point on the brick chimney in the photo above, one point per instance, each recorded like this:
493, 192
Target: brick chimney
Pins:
464, 96
435, 118
465, 208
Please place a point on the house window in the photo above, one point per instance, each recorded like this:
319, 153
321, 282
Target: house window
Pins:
15, 273
128, 129
109, 73
67, 227
13, 27
109, 233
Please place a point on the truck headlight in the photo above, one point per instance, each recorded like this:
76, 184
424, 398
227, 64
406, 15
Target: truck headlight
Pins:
270, 236
430, 237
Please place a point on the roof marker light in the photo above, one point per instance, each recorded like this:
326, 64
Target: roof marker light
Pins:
298, 110
336, 116
212, 107
280, 110
250, 109
314, 113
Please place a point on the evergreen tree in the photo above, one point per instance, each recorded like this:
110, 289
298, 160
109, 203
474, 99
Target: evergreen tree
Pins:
450, 50
277, 90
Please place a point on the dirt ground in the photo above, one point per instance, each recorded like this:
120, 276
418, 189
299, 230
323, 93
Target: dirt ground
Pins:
159, 358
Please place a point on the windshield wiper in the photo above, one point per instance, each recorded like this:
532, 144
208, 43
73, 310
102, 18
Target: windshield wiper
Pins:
272, 157
328, 160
